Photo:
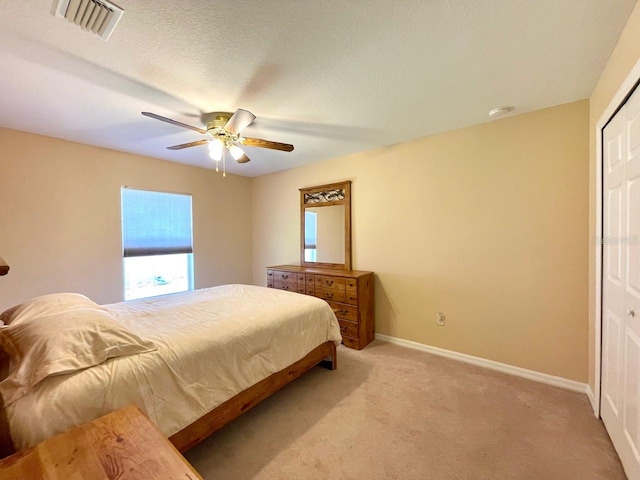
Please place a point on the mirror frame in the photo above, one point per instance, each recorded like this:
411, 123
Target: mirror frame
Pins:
326, 196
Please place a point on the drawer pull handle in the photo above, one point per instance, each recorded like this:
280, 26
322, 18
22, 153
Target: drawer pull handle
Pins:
285, 276
329, 282
329, 295
285, 287
343, 329
352, 298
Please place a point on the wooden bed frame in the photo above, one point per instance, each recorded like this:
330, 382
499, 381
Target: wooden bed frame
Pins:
224, 413
249, 398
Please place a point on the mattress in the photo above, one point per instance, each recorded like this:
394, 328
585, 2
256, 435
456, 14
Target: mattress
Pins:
212, 344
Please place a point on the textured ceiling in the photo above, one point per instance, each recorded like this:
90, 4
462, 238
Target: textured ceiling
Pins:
331, 77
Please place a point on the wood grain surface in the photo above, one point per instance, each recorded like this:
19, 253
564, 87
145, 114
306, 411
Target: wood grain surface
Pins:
123, 445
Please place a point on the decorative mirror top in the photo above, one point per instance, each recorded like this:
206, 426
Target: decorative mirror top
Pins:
327, 196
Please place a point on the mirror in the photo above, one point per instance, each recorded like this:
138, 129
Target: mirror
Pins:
325, 226
324, 234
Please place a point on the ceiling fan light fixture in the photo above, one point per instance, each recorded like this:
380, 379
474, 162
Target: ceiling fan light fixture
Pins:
215, 149
236, 152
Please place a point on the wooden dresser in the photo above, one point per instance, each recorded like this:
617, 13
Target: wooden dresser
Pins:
349, 292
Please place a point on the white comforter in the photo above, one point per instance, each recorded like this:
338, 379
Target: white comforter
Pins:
213, 343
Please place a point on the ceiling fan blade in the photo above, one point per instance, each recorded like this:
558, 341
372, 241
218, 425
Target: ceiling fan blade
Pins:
258, 142
187, 145
173, 122
243, 159
239, 121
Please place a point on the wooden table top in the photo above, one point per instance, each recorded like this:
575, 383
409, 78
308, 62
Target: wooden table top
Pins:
123, 445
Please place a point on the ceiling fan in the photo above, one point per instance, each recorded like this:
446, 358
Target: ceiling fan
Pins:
223, 132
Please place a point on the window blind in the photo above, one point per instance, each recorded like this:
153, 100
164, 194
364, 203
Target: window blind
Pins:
155, 223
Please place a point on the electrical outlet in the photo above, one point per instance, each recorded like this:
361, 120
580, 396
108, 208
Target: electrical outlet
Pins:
440, 318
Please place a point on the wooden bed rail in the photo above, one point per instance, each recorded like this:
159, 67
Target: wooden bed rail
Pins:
249, 398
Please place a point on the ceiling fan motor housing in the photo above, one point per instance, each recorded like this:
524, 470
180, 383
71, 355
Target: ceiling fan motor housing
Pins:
220, 119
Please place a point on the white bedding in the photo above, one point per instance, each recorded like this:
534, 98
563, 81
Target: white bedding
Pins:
213, 343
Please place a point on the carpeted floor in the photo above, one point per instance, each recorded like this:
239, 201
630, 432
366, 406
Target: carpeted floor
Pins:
393, 413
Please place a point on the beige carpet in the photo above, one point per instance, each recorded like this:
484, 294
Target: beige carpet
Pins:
393, 413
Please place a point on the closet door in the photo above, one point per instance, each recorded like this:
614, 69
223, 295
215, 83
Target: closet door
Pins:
621, 284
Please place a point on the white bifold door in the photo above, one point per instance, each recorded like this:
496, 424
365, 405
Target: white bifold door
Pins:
620, 407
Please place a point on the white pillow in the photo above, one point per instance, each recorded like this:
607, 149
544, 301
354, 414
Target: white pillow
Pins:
46, 305
62, 343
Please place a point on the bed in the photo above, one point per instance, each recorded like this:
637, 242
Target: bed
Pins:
216, 352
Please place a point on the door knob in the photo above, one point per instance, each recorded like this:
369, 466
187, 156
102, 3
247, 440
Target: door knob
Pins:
631, 313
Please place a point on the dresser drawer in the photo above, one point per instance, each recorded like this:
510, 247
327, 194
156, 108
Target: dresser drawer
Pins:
326, 282
280, 285
326, 294
351, 285
349, 329
310, 283
351, 297
351, 342
344, 312
285, 276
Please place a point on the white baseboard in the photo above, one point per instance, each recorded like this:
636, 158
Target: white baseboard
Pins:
492, 365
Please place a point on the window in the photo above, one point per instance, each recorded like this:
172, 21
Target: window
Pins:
157, 243
310, 236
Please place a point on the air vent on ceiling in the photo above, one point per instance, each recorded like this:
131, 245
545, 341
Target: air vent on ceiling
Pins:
97, 16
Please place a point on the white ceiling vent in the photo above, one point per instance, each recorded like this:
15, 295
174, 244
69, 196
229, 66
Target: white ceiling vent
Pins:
97, 16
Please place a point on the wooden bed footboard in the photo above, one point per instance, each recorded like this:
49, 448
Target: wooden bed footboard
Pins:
249, 398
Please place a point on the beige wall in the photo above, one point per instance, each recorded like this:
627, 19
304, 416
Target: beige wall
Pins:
624, 57
487, 224
60, 217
